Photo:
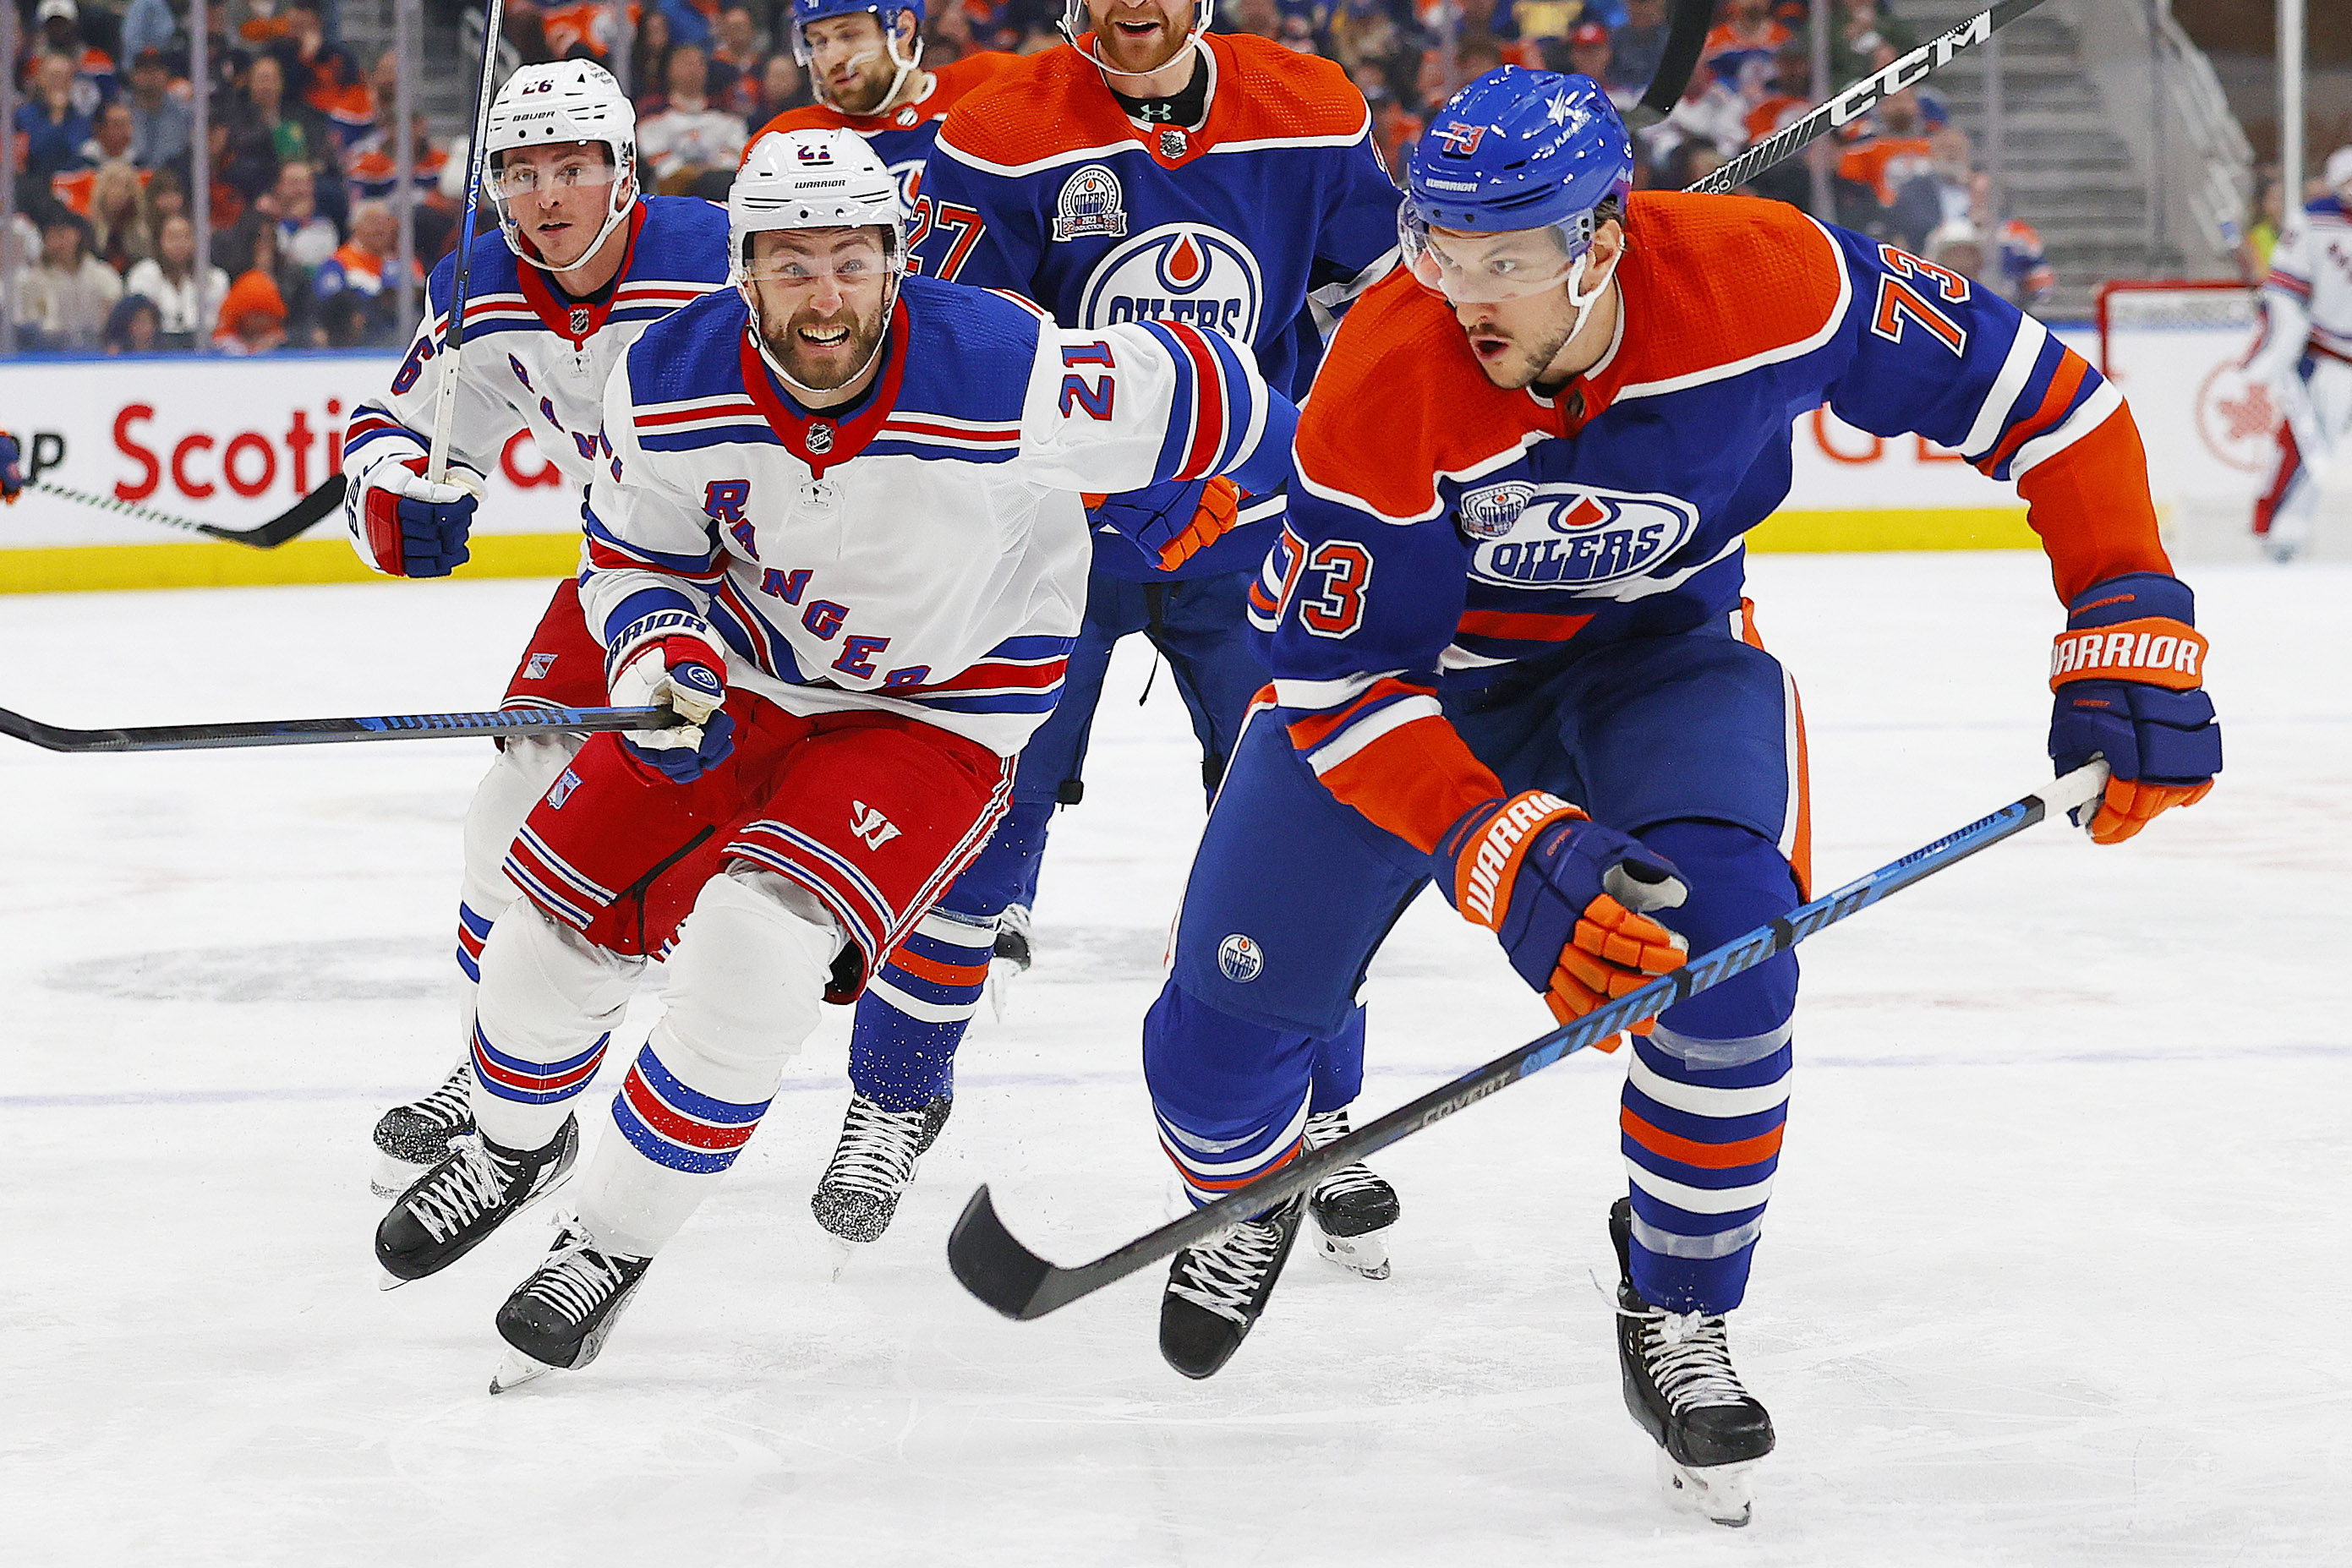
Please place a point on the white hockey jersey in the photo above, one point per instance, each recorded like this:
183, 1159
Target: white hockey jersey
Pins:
2307, 294
923, 550
531, 358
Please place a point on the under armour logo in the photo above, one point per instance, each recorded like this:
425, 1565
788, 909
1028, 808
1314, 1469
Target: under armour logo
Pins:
871, 825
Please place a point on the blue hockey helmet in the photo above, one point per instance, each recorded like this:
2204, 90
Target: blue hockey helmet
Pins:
886, 13
1515, 151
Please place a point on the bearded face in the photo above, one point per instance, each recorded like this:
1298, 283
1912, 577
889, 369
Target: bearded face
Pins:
821, 296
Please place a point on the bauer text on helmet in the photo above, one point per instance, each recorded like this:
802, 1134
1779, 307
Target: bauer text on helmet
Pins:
557, 200
859, 54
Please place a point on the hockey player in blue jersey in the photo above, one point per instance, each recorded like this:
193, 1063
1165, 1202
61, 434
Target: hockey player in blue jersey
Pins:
1149, 171
581, 266
1511, 657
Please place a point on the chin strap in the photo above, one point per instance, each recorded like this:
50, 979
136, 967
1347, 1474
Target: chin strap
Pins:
1585, 299
525, 251
767, 358
905, 68
1192, 41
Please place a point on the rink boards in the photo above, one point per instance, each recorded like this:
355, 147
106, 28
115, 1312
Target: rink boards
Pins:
234, 442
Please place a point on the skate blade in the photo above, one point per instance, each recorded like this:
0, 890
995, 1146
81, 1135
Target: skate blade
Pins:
516, 1370
1719, 1492
844, 1253
1366, 1255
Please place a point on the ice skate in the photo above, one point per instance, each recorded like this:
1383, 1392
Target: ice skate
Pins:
453, 1208
1352, 1207
1215, 1291
857, 1197
1680, 1385
557, 1320
1011, 957
412, 1139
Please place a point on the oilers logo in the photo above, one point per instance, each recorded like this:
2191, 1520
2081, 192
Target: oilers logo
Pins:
1179, 272
1090, 203
909, 172
1544, 535
1242, 959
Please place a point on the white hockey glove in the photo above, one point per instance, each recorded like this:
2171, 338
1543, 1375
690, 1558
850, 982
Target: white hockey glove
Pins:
670, 658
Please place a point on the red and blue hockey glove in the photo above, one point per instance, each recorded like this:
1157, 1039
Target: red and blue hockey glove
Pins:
1567, 897
2129, 673
408, 527
1171, 521
670, 658
12, 478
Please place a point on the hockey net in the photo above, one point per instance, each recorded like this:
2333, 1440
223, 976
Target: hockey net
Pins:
2132, 305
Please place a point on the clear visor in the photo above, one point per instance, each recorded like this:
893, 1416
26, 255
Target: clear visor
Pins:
516, 180
793, 267
1487, 268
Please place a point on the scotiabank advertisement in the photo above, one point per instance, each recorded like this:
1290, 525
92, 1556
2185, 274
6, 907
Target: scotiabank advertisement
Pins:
222, 441
236, 442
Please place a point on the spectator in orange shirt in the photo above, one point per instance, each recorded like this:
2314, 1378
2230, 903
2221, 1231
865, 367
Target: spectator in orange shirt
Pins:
1897, 152
253, 317
1741, 48
1789, 95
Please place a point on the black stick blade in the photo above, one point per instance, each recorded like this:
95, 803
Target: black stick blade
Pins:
994, 1265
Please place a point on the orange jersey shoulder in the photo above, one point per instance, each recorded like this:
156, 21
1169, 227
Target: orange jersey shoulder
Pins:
1400, 400
1057, 102
1714, 285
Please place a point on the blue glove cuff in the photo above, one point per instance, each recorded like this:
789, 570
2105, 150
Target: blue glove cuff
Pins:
2133, 596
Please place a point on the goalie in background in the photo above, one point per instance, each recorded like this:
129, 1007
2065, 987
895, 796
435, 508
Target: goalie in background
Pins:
2304, 356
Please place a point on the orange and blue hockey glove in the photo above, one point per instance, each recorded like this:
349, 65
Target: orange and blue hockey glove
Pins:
2129, 674
1171, 521
1567, 897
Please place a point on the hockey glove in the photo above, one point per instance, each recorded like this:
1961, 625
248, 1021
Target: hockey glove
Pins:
2129, 672
670, 658
1565, 895
407, 526
12, 478
1171, 521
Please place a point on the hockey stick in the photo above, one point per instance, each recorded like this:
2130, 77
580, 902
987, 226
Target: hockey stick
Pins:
295, 520
998, 1268
500, 723
453, 337
1860, 99
1686, 36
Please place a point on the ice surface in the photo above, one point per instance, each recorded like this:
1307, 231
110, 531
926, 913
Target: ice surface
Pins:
2057, 1270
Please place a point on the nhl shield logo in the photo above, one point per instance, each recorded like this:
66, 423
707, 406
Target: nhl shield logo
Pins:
1179, 272
1091, 202
1489, 514
580, 320
820, 437
1173, 142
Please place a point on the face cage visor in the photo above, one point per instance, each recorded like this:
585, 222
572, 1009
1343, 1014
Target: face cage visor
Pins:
1469, 268
799, 270
905, 64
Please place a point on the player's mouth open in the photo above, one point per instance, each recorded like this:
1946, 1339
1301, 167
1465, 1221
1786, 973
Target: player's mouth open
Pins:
1143, 29
825, 337
1488, 346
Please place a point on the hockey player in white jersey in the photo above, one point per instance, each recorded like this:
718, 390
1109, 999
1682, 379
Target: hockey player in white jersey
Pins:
583, 263
2304, 357
837, 524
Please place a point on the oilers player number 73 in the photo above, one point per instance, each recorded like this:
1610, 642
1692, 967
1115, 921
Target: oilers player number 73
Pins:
1512, 658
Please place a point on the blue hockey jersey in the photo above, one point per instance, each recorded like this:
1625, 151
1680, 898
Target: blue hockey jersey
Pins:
1261, 225
1445, 533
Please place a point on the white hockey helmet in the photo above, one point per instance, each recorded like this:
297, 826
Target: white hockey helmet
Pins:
813, 179
568, 100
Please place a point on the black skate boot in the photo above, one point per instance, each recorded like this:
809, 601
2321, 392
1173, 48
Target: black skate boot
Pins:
1217, 1290
412, 1139
559, 1317
452, 1208
1013, 939
857, 1197
1680, 1385
1352, 1207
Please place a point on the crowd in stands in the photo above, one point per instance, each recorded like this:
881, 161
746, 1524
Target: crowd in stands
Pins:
303, 158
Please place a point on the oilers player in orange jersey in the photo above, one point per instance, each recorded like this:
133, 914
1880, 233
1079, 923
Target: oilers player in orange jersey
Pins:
865, 64
1150, 171
1511, 657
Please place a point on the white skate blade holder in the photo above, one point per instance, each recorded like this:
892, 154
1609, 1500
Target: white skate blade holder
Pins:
1718, 1492
1366, 1255
515, 1370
